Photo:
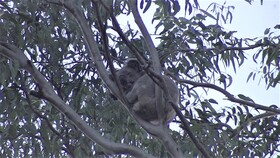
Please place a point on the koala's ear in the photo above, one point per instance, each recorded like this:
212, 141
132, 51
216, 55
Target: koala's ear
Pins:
134, 64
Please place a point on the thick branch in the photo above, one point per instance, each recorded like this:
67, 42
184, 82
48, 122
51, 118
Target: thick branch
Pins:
103, 28
165, 137
159, 131
154, 55
90, 43
117, 28
146, 35
48, 93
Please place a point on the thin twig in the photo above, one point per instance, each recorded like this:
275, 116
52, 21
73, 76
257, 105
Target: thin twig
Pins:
186, 126
223, 48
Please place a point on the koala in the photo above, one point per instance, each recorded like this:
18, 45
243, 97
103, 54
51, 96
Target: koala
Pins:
139, 89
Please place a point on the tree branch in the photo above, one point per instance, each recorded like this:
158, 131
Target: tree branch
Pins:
103, 29
224, 48
48, 93
117, 28
154, 55
92, 45
229, 96
186, 126
157, 68
249, 120
149, 42
164, 136
89, 42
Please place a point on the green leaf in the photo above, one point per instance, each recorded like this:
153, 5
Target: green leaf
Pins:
149, 2
207, 14
176, 7
213, 101
229, 34
241, 96
264, 69
267, 31
233, 110
240, 110
229, 16
277, 26
250, 75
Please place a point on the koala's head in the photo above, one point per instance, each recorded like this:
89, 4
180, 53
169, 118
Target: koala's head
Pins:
129, 73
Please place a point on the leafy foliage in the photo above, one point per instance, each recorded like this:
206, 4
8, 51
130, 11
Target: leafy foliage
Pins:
191, 50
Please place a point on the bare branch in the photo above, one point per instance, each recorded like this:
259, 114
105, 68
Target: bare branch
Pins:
222, 49
229, 96
146, 35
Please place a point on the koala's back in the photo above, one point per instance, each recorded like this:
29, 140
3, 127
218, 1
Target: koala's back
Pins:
145, 91
145, 82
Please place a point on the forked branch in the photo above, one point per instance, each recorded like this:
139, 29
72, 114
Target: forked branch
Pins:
49, 94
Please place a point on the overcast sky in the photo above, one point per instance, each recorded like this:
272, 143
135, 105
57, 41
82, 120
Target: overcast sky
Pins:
251, 21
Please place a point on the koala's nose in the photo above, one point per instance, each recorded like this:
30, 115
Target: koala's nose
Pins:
123, 81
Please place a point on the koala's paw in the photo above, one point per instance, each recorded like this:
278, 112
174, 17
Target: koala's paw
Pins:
136, 107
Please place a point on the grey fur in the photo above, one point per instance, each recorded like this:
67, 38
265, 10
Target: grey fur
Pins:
140, 92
